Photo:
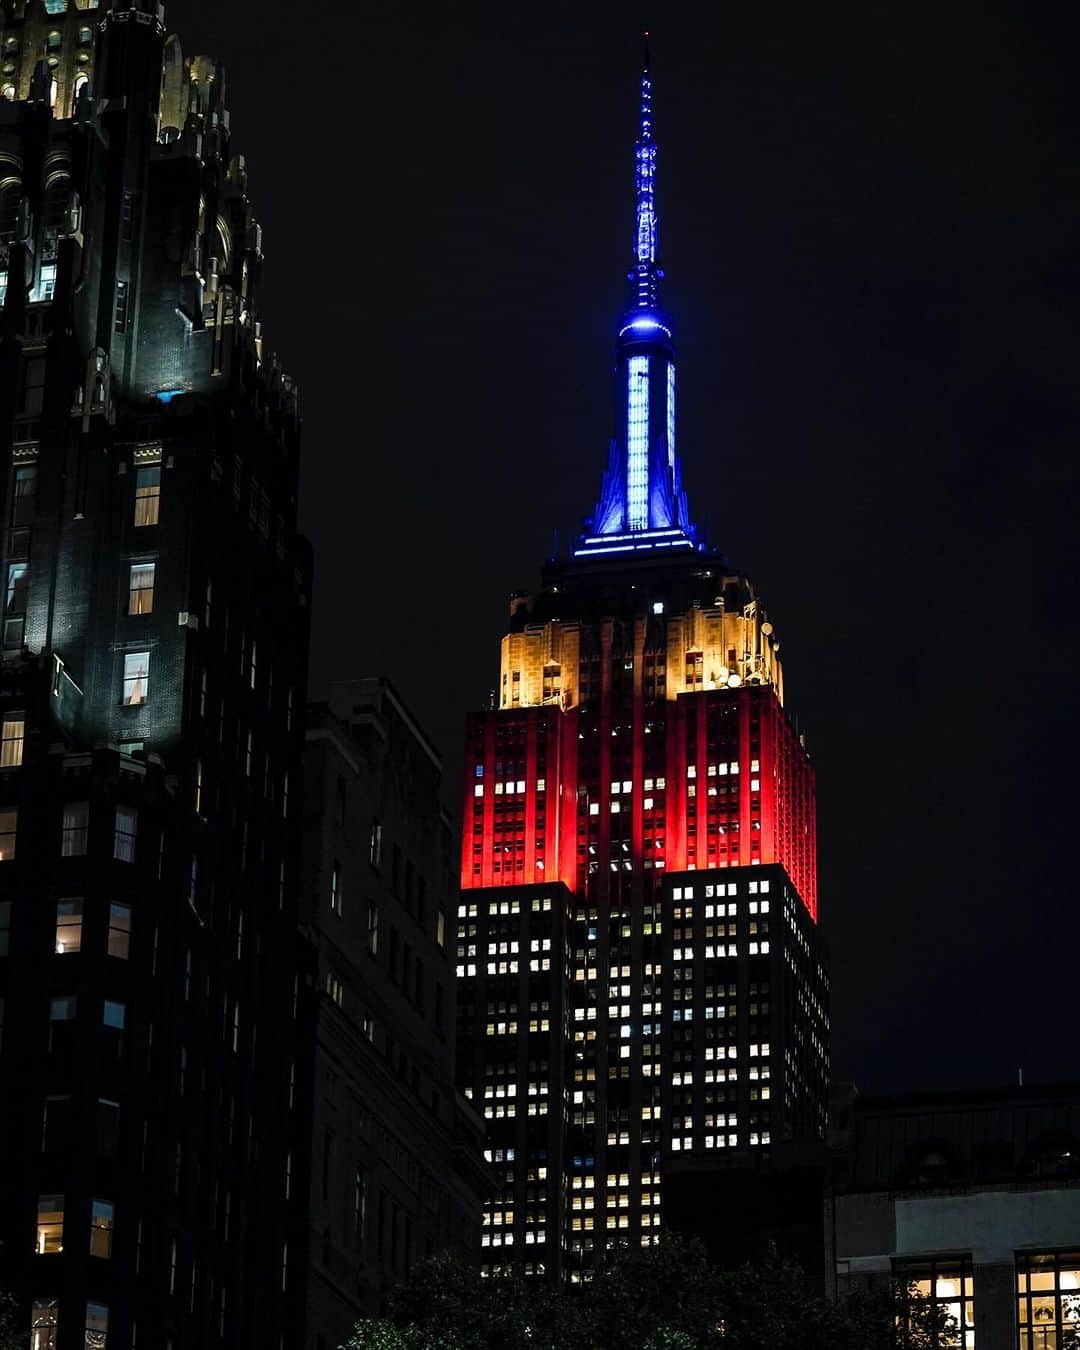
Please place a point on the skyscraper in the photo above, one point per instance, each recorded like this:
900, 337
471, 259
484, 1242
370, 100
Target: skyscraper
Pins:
642, 1006
151, 691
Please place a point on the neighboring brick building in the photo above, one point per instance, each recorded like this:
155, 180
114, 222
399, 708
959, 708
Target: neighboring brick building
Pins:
152, 688
396, 1155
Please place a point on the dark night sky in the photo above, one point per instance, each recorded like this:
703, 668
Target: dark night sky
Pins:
869, 221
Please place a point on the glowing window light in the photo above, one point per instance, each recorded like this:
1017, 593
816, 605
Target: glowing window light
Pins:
637, 443
671, 414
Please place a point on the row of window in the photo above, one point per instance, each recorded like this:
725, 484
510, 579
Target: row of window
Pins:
75, 831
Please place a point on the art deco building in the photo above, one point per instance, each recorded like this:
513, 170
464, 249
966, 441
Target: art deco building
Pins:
396, 1169
642, 1006
152, 677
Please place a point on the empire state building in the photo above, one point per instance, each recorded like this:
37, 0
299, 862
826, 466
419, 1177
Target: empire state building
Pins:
642, 1007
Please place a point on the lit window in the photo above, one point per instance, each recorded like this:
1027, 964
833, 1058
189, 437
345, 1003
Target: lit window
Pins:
9, 822
97, 1326
18, 588
1048, 1290
336, 890
947, 1288
76, 828
115, 1014
101, 1229
334, 988
119, 942
440, 928
11, 744
50, 1225
86, 37
56, 6
69, 914
136, 677
147, 494
126, 828
141, 588
46, 287
63, 1008
120, 309
44, 1320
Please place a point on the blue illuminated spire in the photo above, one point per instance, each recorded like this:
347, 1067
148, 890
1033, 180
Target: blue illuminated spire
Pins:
642, 505
646, 274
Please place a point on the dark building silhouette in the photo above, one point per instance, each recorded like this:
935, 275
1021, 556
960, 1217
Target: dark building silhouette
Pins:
152, 688
642, 1002
396, 1155
972, 1196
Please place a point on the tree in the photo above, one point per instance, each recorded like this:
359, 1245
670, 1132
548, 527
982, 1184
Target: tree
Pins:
663, 1297
12, 1337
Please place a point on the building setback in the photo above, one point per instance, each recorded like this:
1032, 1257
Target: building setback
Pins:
642, 1003
152, 687
396, 1155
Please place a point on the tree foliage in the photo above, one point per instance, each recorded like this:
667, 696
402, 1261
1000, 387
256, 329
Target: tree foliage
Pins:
665, 1297
12, 1337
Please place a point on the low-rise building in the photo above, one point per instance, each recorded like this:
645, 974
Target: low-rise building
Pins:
973, 1196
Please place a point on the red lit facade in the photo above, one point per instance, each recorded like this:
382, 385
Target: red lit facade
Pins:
736, 789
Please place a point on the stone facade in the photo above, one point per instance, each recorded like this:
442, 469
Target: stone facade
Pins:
152, 686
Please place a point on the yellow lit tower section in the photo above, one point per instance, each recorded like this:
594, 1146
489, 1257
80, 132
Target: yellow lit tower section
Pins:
642, 1011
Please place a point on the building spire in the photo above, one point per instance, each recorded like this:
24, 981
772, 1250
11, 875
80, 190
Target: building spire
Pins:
642, 505
646, 275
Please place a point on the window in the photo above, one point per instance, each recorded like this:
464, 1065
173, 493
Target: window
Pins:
5, 927
334, 988
440, 928
115, 1014
97, 1326
34, 387
62, 1008
18, 588
50, 1225
147, 494
136, 678
24, 494
101, 1229
69, 916
375, 843
120, 310
11, 741
946, 1283
1048, 1293
86, 39
141, 588
43, 1323
127, 827
46, 287
119, 931
360, 1205
76, 828
56, 6
9, 822
335, 890
373, 928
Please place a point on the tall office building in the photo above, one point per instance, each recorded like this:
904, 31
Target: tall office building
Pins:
152, 677
396, 1169
642, 1007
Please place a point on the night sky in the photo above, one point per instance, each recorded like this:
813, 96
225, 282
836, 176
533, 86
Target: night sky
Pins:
868, 218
